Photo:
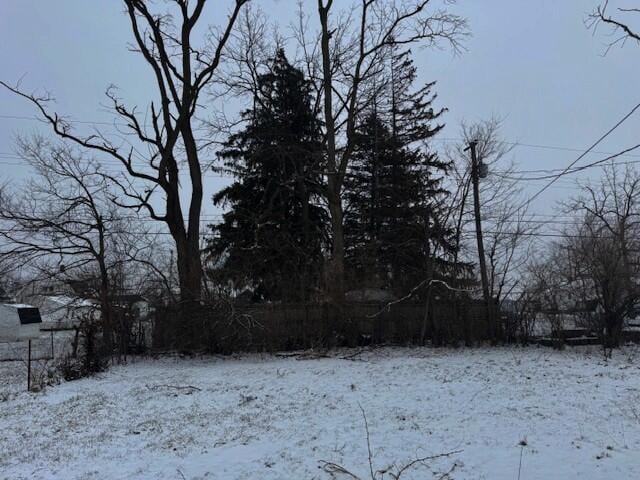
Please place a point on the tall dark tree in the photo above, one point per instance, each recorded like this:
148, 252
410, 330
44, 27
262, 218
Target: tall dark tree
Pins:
271, 239
166, 40
394, 225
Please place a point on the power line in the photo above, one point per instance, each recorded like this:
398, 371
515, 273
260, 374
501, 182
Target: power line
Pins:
436, 139
115, 232
580, 157
22, 164
4, 156
114, 123
598, 163
36, 119
207, 235
11, 156
533, 145
534, 234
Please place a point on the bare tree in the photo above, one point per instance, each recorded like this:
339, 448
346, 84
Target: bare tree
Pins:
347, 62
150, 265
620, 24
592, 273
547, 292
247, 55
167, 128
508, 230
63, 221
604, 251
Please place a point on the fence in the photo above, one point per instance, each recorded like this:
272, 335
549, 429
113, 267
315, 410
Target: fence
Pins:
273, 327
50, 345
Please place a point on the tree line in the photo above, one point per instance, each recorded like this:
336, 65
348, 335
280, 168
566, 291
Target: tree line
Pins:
276, 233
337, 183
303, 156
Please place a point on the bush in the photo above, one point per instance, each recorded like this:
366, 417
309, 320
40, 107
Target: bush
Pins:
93, 357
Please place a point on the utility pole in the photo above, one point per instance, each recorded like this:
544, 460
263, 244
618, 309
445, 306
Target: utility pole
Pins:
475, 179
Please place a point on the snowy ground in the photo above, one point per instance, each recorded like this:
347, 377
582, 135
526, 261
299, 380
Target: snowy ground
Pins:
263, 417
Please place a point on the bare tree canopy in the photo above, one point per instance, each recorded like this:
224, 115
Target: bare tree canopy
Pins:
167, 128
508, 230
347, 60
63, 222
593, 270
622, 23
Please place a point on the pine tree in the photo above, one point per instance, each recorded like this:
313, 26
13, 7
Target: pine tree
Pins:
394, 189
271, 238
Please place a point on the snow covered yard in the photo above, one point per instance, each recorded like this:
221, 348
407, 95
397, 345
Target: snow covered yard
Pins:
562, 415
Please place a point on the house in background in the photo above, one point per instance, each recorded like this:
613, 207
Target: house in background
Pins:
45, 287
19, 322
58, 302
137, 305
65, 310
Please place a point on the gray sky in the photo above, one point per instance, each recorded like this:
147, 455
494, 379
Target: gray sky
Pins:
533, 63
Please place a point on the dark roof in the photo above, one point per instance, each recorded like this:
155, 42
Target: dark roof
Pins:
130, 298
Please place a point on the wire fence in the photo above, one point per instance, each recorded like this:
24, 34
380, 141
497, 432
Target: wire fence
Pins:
50, 345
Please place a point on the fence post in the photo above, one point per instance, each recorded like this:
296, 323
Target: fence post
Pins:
29, 367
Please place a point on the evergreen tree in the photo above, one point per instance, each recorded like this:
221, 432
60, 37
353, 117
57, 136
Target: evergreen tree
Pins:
271, 239
394, 189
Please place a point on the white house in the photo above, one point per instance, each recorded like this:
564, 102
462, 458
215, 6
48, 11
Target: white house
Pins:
65, 310
136, 304
19, 322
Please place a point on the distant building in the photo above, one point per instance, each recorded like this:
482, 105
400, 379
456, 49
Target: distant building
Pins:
47, 286
19, 322
136, 304
66, 310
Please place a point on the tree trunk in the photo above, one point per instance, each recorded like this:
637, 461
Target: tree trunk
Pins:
335, 277
187, 242
191, 289
106, 312
335, 274
106, 319
190, 280
189, 270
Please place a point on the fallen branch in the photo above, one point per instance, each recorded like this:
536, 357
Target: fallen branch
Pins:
413, 291
302, 355
176, 387
334, 469
448, 473
359, 351
424, 459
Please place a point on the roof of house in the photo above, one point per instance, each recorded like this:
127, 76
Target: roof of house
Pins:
67, 301
17, 305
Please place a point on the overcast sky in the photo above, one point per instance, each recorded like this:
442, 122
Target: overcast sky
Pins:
533, 63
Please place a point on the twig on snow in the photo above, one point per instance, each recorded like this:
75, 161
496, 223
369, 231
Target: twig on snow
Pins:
333, 468
520, 465
448, 473
366, 428
176, 387
424, 459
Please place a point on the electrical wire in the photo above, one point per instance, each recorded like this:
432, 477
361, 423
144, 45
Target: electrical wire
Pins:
580, 157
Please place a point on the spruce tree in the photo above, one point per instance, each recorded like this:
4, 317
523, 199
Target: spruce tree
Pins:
271, 238
394, 188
